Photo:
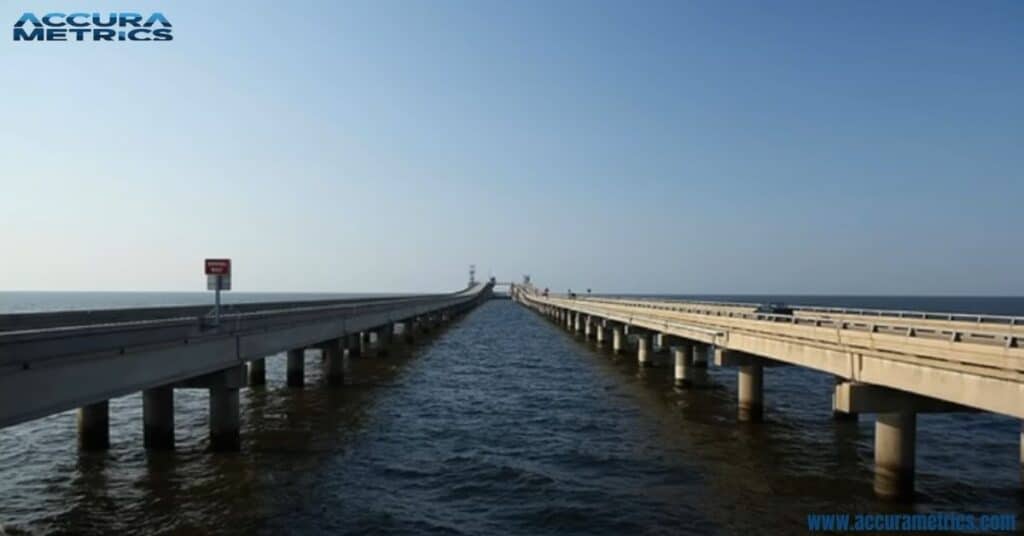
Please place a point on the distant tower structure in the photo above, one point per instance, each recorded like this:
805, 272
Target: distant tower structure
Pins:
472, 274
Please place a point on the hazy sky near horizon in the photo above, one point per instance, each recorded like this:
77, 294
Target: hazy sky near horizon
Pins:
686, 147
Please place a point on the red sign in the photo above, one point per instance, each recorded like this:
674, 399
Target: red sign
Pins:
218, 266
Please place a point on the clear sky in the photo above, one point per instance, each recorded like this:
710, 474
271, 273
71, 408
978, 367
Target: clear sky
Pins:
690, 147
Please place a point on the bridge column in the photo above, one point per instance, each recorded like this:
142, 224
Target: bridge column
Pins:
618, 339
837, 414
225, 419
602, 334
296, 371
384, 336
751, 392
895, 430
352, 345
587, 326
258, 372
895, 439
94, 426
334, 362
568, 319
664, 343
409, 331
158, 418
643, 349
684, 364
700, 364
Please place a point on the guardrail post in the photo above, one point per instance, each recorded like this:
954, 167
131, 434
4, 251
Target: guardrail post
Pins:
158, 418
296, 371
94, 426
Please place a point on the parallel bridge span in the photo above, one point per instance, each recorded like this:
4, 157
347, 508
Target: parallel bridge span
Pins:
53, 362
892, 363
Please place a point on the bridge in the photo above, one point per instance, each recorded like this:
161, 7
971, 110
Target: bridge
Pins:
54, 362
895, 364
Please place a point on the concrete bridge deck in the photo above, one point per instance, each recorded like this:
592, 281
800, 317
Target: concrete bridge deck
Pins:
53, 362
893, 363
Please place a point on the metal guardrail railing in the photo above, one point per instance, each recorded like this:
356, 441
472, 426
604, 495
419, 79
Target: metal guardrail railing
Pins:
57, 342
20, 322
1009, 340
853, 311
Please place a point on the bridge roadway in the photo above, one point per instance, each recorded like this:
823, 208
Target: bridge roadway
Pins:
892, 363
56, 361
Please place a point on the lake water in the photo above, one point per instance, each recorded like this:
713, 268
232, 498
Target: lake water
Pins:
501, 424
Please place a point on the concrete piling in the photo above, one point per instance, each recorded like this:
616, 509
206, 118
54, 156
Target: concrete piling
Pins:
751, 393
353, 345
334, 363
643, 350
94, 426
683, 355
158, 418
618, 339
225, 419
296, 371
258, 372
895, 452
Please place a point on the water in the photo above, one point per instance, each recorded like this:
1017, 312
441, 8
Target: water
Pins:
503, 424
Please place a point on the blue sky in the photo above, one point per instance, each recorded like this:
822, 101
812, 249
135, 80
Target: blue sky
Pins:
688, 147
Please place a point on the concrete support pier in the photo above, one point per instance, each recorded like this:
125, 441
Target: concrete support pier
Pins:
601, 333
296, 371
409, 331
837, 414
225, 420
352, 344
94, 426
334, 363
643, 350
384, 338
684, 365
158, 418
751, 393
618, 339
258, 372
700, 376
588, 327
895, 438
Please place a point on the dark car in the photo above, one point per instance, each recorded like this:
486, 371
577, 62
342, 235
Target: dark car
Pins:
774, 309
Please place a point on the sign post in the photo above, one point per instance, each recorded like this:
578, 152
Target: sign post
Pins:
218, 278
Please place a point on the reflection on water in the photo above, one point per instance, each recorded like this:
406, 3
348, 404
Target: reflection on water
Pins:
502, 424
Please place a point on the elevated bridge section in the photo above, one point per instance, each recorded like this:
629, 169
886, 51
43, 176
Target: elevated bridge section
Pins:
53, 362
892, 363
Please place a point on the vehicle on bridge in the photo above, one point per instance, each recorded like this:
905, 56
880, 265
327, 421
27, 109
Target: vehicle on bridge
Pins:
774, 309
